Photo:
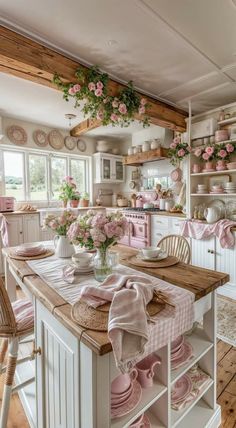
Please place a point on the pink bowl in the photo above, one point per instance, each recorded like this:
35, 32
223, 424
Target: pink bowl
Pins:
122, 383
221, 135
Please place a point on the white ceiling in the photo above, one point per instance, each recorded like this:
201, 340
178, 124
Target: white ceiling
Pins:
174, 50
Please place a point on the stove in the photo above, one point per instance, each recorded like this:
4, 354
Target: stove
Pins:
143, 210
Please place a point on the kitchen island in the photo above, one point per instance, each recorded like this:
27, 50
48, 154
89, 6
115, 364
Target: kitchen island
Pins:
74, 366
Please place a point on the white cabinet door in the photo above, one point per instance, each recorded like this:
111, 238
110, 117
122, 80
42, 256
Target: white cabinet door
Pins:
57, 373
159, 228
118, 170
108, 168
226, 261
15, 230
203, 253
31, 227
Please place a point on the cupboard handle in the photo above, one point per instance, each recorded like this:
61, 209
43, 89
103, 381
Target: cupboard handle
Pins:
36, 351
21, 233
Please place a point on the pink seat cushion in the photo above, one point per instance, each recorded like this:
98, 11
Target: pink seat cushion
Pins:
24, 314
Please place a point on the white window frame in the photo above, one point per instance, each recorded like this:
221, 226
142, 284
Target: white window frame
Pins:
26, 152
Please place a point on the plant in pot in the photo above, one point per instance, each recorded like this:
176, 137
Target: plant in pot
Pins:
178, 151
207, 154
74, 199
84, 200
67, 190
60, 225
223, 152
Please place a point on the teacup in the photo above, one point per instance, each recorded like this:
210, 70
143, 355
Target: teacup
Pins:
151, 252
121, 384
146, 370
82, 260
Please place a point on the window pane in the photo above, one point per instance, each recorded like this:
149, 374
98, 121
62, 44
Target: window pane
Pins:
14, 175
58, 172
38, 177
78, 172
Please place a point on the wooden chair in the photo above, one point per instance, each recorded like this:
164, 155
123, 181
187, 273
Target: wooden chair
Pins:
176, 245
16, 323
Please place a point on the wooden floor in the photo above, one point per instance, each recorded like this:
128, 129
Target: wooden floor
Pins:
226, 391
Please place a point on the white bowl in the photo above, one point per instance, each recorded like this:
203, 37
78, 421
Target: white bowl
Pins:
82, 259
151, 252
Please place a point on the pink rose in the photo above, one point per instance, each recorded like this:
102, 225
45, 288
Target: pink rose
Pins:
177, 140
181, 153
76, 88
229, 148
222, 153
71, 91
173, 145
205, 156
141, 110
68, 179
98, 92
198, 152
100, 115
209, 150
114, 117
99, 85
122, 108
143, 101
91, 86
115, 103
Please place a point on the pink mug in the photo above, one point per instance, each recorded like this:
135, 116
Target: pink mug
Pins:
121, 384
146, 370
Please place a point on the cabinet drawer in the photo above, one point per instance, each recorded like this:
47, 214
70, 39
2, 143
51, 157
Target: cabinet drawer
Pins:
159, 223
157, 236
176, 225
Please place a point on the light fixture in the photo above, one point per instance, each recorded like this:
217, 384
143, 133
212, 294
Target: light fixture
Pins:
70, 117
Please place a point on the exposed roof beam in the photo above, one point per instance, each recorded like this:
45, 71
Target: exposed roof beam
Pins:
25, 58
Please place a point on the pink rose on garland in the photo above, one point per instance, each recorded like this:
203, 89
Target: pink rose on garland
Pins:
122, 108
105, 101
177, 140
205, 156
71, 91
76, 88
198, 152
222, 153
141, 110
173, 145
209, 150
143, 101
181, 153
114, 117
98, 92
100, 115
99, 85
229, 147
115, 103
91, 86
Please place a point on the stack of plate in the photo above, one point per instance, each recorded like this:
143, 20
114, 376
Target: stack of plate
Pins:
230, 187
125, 395
181, 352
30, 250
202, 189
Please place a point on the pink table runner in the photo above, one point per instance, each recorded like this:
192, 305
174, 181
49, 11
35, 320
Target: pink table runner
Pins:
198, 230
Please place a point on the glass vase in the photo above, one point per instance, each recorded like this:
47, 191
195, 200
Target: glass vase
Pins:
102, 265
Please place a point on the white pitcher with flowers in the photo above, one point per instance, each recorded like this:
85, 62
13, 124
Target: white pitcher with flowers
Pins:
60, 224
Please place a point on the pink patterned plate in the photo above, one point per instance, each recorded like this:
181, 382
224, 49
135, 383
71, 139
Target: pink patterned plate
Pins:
184, 357
181, 388
178, 354
144, 420
130, 404
176, 344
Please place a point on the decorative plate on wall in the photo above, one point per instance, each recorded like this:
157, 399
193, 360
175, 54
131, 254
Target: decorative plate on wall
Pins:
81, 145
56, 139
70, 142
17, 135
40, 138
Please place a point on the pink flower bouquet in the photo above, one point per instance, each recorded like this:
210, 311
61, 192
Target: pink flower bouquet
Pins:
95, 230
59, 224
178, 151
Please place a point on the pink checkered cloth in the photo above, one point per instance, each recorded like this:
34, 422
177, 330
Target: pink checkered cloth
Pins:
222, 229
131, 334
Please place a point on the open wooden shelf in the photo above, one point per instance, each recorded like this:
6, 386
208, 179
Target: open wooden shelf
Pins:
143, 157
226, 171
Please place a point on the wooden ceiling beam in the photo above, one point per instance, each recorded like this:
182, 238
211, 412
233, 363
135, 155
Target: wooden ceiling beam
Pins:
30, 60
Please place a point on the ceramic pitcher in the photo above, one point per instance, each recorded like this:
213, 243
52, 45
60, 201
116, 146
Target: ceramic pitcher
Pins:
212, 214
63, 247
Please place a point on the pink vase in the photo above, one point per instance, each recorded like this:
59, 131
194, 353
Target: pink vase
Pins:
209, 166
221, 165
196, 168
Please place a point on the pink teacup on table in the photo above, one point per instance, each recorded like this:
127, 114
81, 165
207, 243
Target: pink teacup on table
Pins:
122, 383
146, 370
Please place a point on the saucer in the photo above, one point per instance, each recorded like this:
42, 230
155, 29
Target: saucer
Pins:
130, 404
86, 269
181, 389
176, 344
182, 357
163, 255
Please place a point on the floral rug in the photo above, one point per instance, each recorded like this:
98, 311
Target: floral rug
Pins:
226, 316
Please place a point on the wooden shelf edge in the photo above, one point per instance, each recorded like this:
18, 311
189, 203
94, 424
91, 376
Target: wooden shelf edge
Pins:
143, 157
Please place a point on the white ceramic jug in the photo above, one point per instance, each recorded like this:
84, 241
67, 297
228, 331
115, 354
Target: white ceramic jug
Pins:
212, 214
63, 247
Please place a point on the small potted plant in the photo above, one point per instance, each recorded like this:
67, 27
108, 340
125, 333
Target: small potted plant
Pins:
207, 154
84, 200
67, 190
74, 199
178, 151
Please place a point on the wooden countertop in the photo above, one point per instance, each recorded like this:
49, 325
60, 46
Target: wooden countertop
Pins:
199, 281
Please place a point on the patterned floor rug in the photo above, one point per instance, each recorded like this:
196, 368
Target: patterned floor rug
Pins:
226, 316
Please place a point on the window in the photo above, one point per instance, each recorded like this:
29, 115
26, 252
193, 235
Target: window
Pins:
58, 172
34, 175
14, 175
38, 177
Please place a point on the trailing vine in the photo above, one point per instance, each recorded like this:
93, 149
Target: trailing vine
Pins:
92, 89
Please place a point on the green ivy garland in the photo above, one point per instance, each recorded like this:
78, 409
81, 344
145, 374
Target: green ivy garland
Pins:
92, 89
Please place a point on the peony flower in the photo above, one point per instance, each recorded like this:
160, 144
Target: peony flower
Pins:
114, 117
222, 153
122, 108
99, 85
209, 150
98, 92
173, 145
71, 91
115, 103
143, 101
91, 86
229, 148
198, 152
76, 88
141, 110
205, 156
181, 153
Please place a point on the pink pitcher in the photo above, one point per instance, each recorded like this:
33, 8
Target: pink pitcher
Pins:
146, 370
